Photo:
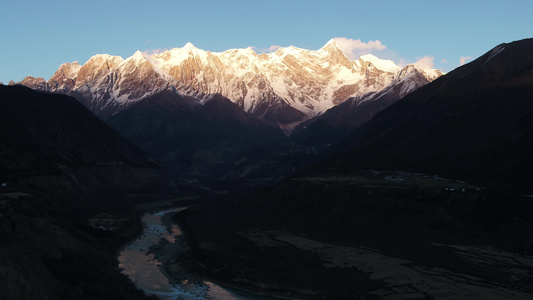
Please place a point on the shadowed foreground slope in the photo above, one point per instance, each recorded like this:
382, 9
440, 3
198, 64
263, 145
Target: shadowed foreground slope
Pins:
54, 146
59, 164
475, 123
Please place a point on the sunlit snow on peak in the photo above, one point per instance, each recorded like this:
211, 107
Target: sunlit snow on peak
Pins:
139, 56
382, 64
330, 42
329, 46
309, 81
189, 47
103, 58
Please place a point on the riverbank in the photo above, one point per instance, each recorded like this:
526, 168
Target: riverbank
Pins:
45, 257
144, 259
138, 262
179, 266
249, 262
116, 226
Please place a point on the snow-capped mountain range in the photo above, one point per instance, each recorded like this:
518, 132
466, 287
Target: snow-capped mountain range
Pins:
287, 86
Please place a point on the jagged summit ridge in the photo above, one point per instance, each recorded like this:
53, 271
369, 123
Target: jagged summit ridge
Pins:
384, 65
302, 82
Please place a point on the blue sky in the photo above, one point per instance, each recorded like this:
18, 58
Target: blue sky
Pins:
38, 36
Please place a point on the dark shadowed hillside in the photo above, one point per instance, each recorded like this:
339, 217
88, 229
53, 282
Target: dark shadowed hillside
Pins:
475, 123
211, 141
339, 121
59, 164
45, 257
53, 146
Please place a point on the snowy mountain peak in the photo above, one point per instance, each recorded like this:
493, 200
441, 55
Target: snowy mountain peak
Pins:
330, 44
382, 64
70, 68
331, 47
138, 56
189, 47
249, 51
100, 58
287, 86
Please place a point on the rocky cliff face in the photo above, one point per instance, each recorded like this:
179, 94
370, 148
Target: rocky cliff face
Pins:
286, 86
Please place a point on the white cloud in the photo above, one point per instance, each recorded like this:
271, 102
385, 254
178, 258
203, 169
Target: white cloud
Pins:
425, 62
272, 48
265, 50
464, 59
403, 63
151, 52
444, 61
355, 48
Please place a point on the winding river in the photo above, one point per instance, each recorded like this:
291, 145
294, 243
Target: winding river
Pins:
140, 265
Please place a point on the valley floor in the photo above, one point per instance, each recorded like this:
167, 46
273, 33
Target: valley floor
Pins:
405, 279
398, 236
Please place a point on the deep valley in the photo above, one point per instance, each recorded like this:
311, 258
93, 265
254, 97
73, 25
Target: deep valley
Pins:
284, 179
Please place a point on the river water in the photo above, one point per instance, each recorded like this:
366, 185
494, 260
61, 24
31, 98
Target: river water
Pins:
143, 269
